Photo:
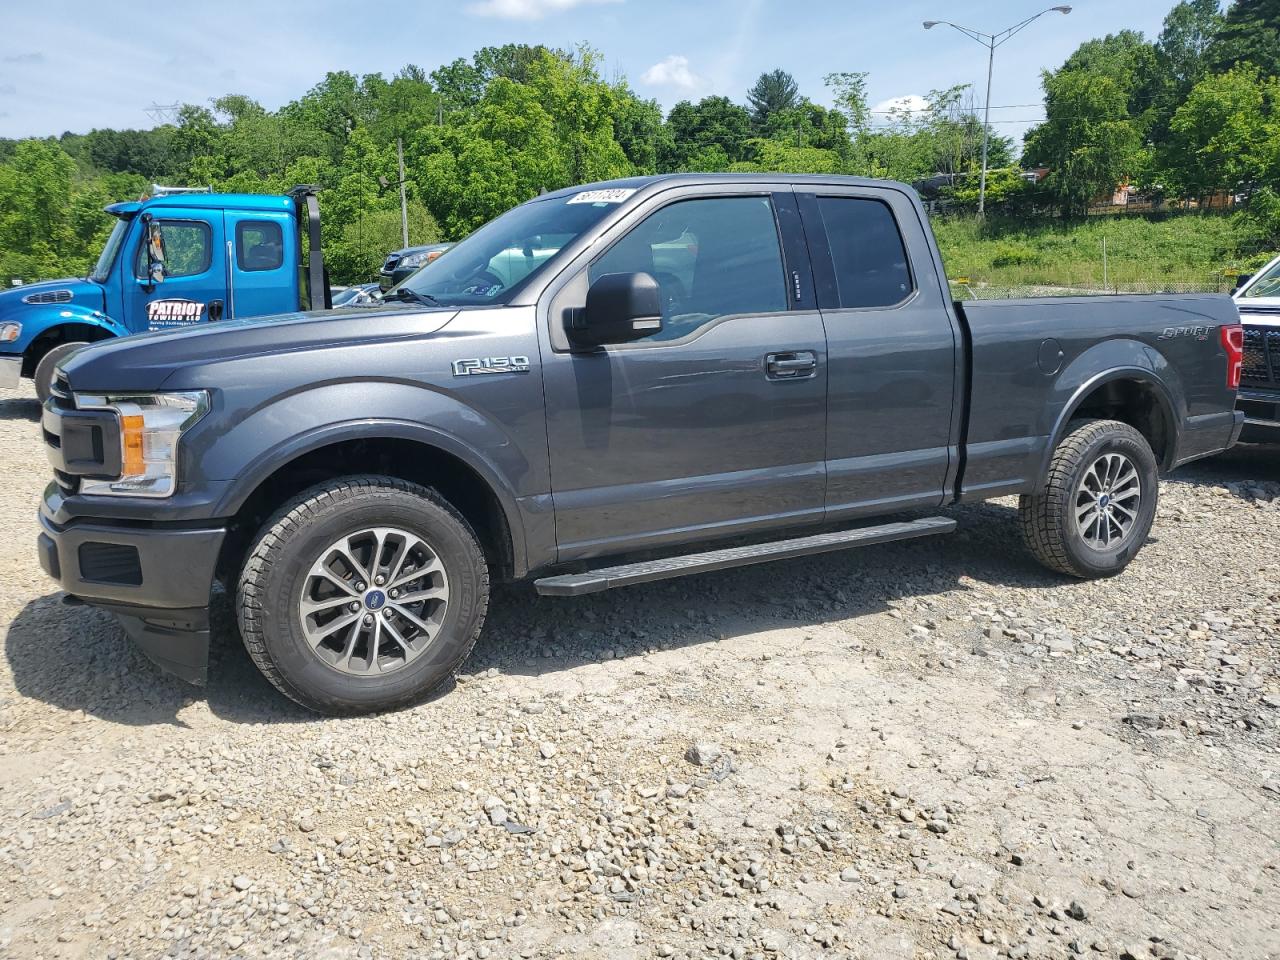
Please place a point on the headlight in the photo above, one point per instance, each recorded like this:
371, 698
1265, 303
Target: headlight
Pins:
10, 332
150, 427
412, 260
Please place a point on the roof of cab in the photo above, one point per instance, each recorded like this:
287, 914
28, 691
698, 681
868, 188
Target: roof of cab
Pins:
207, 201
797, 179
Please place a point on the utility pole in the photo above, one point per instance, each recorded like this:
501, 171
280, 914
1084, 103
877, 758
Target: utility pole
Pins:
991, 41
404, 204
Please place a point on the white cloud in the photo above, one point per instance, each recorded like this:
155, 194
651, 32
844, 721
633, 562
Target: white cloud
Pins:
910, 103
527, 9
673, 71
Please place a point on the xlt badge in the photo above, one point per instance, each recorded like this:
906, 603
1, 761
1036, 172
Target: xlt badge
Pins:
474, 365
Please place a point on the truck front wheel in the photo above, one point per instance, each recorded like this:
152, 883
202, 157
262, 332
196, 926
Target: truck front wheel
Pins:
43, 376
362, 594
1098, 503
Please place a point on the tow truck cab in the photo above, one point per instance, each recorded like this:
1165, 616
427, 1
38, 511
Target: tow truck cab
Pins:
178, 258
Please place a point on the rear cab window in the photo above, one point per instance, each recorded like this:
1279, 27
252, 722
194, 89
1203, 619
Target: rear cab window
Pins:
259, 245
868, 257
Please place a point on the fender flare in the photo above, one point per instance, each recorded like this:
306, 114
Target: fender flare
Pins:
1163, 394
256, 472
56, 316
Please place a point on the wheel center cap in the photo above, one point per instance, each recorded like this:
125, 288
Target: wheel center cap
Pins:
1104, 500
374, 599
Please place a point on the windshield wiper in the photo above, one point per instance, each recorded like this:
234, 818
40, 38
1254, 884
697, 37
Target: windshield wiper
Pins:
405, 295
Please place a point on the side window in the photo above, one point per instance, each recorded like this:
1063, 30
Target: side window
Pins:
712, 258
187, 249
259, 245
867, 252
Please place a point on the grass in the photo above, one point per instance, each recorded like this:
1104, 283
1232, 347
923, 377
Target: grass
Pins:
1175, 252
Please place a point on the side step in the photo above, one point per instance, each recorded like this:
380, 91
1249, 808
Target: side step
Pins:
625, 575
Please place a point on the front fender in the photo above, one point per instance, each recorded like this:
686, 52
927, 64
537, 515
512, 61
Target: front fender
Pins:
247, 447
1109, 362
38, 320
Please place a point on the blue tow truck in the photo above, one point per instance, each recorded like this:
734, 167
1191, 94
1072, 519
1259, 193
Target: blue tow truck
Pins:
178, 258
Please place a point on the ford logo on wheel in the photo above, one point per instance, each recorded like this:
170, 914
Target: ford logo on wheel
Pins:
374, 599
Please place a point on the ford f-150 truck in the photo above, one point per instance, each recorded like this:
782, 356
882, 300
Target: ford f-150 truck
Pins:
770, 361
1259, 302
173, 260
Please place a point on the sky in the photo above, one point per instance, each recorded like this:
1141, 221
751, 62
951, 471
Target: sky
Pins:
79, 64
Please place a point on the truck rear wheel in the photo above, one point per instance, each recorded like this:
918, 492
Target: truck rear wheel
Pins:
1096, 509
362, 594
43, 376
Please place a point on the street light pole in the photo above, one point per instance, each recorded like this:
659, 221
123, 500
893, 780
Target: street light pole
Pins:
991, 41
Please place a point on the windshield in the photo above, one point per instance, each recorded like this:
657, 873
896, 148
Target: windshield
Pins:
1267, 284
494, 262
109, 251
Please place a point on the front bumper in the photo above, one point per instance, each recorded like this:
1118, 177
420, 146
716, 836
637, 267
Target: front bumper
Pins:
10, 372
156, 580
1261, 411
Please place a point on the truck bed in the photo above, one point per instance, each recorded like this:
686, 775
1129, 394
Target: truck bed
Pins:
1032, 361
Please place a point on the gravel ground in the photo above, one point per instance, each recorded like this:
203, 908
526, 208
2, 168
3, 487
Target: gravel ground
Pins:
930, 749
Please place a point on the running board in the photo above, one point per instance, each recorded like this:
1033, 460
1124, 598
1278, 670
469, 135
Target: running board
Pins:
625, 575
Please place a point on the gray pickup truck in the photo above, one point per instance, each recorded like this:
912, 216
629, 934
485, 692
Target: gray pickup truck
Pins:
588, 392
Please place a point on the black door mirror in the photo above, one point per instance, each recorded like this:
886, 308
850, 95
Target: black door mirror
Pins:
621, 307
1241, 281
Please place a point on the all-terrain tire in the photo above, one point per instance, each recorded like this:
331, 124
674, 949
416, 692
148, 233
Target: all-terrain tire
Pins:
43, 376
1048, 518
279, 567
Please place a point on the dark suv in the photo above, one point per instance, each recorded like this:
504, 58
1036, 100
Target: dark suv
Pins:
402, 264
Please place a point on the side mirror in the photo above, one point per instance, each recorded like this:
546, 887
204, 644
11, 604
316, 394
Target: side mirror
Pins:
621, 307
155, 252
1241, 280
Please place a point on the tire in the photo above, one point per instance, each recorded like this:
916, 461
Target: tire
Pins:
296, 556
44, 369
1105, 538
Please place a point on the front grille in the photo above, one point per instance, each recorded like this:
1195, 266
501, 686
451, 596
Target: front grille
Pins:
48, 296
110, 563
1261, 358
60, 397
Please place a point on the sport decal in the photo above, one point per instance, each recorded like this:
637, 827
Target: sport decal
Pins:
162, 314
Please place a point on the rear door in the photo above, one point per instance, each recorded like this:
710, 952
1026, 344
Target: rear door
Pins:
262, 263
714, 425
195, 277
892, 349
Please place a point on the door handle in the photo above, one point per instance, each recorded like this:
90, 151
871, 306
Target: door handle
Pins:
794, 365
215, 310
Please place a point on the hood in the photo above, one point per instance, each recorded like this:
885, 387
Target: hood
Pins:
174, 359
53, 293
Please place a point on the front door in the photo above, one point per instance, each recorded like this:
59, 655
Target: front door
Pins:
714, 425
194, 288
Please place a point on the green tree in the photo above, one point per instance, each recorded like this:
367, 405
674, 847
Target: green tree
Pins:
713, 127
1250, 33
1088, 141
1222, 137
772, 92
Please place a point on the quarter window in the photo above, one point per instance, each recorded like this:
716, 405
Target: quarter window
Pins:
259, 245
187, 249
712, 257
866, 251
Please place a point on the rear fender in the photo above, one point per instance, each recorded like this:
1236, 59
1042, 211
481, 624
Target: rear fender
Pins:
1109, 362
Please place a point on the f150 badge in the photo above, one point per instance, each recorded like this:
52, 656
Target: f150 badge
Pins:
477, 365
